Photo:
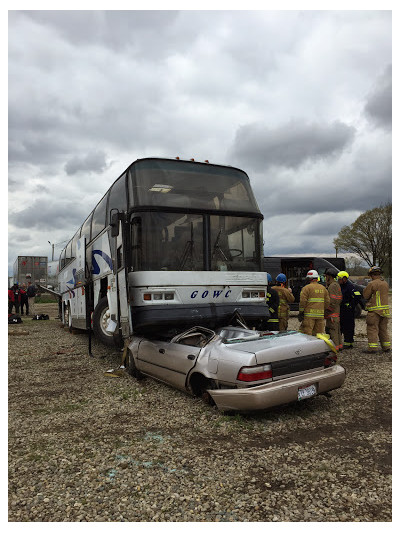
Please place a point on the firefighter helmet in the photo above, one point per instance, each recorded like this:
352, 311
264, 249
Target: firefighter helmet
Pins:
342, 274
281, 278
374, 270
312, 274
330, 272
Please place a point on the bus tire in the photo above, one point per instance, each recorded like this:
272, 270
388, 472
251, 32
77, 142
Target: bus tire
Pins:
101, 317
67, 317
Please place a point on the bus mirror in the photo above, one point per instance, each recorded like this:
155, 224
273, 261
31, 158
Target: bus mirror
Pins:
114, 225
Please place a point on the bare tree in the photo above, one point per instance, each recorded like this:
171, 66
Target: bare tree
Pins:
369, 237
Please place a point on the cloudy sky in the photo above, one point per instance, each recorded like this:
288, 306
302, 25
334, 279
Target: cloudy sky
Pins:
300, 100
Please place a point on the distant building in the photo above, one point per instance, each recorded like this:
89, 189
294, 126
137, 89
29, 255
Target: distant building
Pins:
30, 268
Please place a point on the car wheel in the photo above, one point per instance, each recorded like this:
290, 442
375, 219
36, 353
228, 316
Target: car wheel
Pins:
101, 319
131, 366
357, 311
200, 386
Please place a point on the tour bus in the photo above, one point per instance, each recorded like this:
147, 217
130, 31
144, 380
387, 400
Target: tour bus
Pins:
173, 243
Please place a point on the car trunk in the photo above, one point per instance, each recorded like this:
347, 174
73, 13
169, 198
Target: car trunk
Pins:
288, 353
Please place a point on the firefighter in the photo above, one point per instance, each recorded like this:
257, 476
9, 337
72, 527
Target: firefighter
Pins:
314, 299
377, 295
332, 313
285, 298
350, 299
273, 304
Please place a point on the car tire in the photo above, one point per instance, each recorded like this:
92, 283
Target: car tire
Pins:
101, 316
357, 311
200, 385
131, 367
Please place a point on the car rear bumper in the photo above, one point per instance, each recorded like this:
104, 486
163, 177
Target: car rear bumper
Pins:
277, 392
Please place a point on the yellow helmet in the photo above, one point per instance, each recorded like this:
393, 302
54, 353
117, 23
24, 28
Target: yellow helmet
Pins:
342, 274
374, 270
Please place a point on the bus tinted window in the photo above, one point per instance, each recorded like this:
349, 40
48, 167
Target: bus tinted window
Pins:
68, 255
73, 247
62, 259
190, 185
168, 241
234, 243
117, 199
99, 217
86, 228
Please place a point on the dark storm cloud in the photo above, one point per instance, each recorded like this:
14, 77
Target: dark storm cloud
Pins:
44, 214
291, 144
379, 103
93, 162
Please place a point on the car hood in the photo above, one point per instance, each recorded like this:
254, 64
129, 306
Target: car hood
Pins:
281, 346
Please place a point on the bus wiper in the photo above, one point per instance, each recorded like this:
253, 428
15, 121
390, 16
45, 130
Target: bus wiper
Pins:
188, 251
217, 247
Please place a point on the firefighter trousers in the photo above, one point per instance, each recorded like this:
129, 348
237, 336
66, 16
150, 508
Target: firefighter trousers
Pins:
312, 326
347, 326
377, 330
333, 329
283, 323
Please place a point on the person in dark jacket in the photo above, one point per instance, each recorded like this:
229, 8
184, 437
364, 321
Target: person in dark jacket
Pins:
273, 306
24, 301
350, 298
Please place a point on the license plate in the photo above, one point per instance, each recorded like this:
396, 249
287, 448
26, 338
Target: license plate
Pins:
306, 392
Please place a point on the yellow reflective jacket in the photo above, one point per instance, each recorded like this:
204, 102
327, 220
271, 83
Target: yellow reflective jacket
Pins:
314, 299
335, 295
377, 295
285, 298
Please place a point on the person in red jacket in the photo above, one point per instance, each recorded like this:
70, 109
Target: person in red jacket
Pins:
11, 301
17, 297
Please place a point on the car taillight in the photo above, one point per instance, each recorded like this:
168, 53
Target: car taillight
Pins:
255, 373
330, 360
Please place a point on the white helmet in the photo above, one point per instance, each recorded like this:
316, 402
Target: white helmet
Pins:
312, 274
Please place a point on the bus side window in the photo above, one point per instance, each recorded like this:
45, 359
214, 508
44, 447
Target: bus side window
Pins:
73, 247
62, 259
117, 197
86, 228
68, 255
99, 217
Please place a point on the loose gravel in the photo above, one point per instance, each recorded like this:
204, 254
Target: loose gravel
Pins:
86, 447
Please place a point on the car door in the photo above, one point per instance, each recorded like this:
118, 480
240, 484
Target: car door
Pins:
167, 361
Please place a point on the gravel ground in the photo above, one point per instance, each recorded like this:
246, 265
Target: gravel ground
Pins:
88, 447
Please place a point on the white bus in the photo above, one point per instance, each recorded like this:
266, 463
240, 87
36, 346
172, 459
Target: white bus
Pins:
172, 244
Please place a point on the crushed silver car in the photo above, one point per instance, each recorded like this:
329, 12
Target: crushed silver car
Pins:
239, 369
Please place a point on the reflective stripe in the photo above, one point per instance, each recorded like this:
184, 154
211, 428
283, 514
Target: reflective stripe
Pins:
272, 320
357, 293
336, 297
386, 343
316, 300
348, 344
373, 344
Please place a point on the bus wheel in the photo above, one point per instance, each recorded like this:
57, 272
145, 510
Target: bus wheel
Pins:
101, 319
131, 367
67, 317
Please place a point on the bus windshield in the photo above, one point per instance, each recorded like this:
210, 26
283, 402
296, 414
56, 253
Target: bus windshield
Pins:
192, 185
177, 241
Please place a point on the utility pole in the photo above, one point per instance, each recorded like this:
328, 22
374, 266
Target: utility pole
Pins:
52, 250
